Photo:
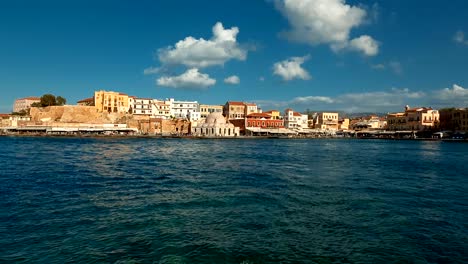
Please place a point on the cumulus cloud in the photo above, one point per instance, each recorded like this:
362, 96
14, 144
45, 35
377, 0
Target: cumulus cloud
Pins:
365, 44
291, 69
232, 80
200, 53
326, 22
457, 96
460, 38
192, 78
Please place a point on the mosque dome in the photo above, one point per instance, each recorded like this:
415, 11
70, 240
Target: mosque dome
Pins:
215, 118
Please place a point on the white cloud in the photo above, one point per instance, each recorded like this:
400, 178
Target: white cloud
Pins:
192, 78
313, 99
151, 70
326, 22
460, 38
457, 96
392, 100
378, 101
200, 53
232, 80
291, 69
365, 44
262, 79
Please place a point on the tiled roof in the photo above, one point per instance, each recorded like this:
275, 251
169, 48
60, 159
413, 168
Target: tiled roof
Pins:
258, 115
235, 103
91, 99
297, 114
30, 98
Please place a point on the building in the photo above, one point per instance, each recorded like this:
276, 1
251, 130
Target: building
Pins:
161, 109
251, 108
111, 102
414, 119
234, 110
263, 120
275, 114
142, 106
326, 121
181, 109
239, 110
369, 123
215, 125
86, 102
194, 116
24, 104
454, 119
205, 110
295, 119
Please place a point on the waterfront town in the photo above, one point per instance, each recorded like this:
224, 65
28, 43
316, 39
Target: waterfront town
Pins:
115, 113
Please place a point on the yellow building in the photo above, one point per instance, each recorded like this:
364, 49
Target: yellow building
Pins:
205, 110
112, 102
275, 114
414, 119
326, 121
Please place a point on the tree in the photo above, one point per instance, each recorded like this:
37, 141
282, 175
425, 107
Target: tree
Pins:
60, 100
48, 100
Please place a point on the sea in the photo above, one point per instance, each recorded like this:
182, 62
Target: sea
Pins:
154, 200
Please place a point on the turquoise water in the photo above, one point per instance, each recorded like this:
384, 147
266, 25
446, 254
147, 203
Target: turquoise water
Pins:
232, 201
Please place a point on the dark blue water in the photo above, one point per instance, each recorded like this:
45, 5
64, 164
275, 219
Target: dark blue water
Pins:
232, 201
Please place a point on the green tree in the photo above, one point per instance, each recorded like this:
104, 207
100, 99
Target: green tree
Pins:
48, 100
60, 100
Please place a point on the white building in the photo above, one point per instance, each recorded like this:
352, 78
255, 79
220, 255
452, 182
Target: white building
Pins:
142, 106
181, 109
295, 119
161, 109
194, 116
215, 125
25, 103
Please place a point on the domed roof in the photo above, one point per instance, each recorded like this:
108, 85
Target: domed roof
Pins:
215, 118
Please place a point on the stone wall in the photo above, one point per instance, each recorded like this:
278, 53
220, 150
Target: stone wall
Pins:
72, 114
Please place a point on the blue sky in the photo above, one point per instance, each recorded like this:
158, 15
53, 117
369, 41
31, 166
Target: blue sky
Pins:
355, 56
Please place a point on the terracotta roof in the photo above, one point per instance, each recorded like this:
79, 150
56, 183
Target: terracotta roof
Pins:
259, 115
91, 99
288, 109
4, 115
235, 103
122, 94
30, 98
297, 114
250, 104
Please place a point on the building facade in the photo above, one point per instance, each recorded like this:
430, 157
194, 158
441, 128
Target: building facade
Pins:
161, 109
263, 120
295, 120
234, 110
215, 125
454, 119
23, 104
326, 120
111, 102
205, 110
414, 119
142, 106
181, 109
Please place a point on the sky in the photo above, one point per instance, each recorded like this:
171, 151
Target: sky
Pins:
343, 55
